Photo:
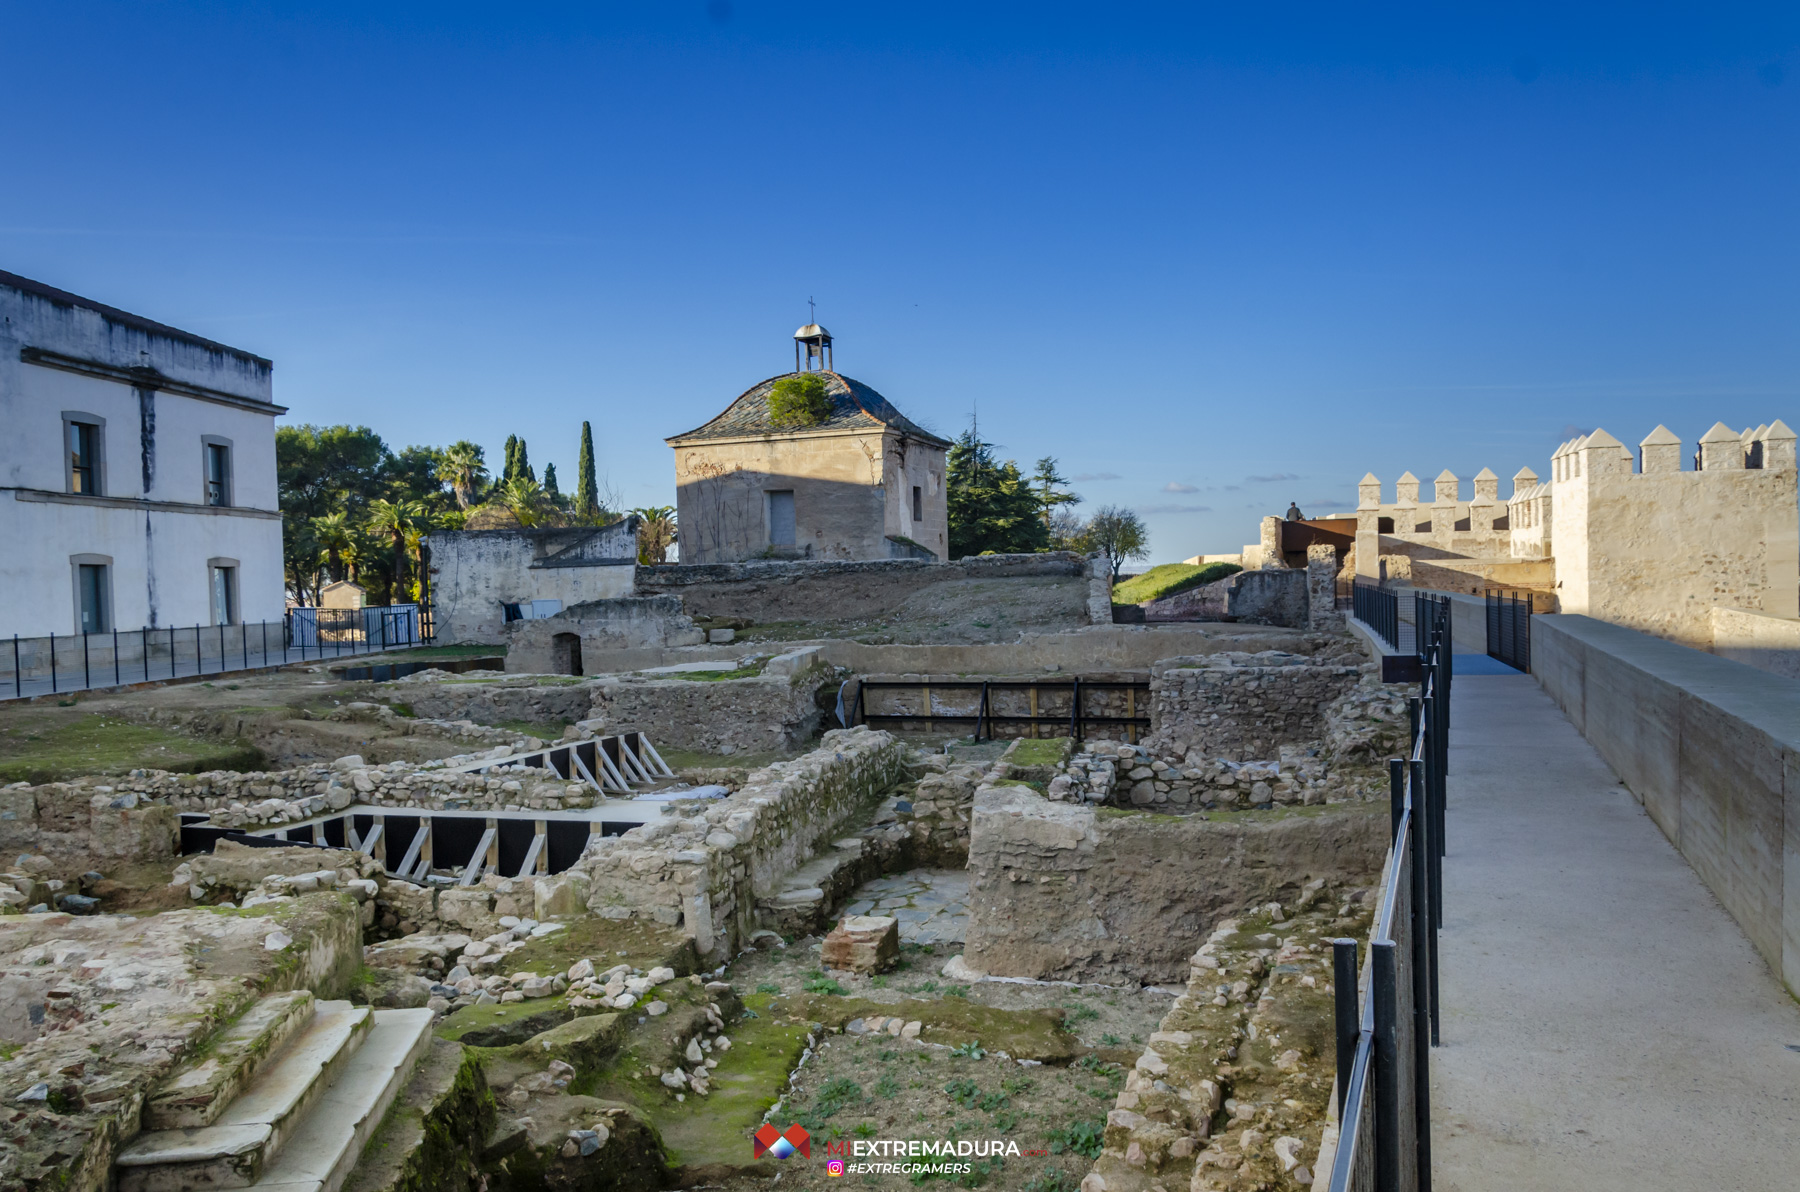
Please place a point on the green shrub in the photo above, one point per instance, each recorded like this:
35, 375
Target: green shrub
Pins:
818, 982
799, 401
1083, 1138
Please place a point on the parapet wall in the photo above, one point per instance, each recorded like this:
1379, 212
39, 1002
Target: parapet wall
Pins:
705, 872
1712, 750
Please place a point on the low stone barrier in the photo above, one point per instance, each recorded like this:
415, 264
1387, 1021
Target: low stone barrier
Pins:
1712, 750
704, 872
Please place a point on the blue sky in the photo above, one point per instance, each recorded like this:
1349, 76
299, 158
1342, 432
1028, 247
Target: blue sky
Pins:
1183, 248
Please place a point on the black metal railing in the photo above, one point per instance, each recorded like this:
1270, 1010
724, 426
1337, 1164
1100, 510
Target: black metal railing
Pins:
1384, 1041
1379, 609
1509, 629
1063, 707
59, 663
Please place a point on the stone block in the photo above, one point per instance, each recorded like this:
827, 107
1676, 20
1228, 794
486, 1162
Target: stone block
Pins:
862, 944
560, 897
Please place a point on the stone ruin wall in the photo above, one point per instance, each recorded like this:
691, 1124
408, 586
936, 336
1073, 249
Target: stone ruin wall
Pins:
764, 714
704, 867
1243, 707
1064, 891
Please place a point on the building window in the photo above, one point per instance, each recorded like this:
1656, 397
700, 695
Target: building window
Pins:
223, 574
218, 470
781, 518
93, 593
918, 503
84, 456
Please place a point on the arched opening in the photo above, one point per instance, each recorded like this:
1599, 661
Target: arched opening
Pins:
565, 654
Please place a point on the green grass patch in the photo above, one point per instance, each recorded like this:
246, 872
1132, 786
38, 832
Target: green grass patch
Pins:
49, 746
1045, 752
1168, 579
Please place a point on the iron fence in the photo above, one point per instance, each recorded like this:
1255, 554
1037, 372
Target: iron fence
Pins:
1379, 609
1003, 707
1384, 1040
1509, 629
59, 663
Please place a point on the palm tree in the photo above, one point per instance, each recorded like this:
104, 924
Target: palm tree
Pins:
335, 536
656, 532
523, 496
397, 519
464, 469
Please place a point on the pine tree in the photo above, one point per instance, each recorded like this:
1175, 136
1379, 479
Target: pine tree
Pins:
1050, 484
587, 489
991, 505
550, 489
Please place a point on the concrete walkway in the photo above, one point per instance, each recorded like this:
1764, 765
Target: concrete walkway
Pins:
1606, 1025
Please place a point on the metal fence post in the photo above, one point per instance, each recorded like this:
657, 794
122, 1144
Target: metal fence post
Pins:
1348, 1015
1420, 1026
1429, 913
18, 675
87, 674
1396, 795
1385, 1054
115, 632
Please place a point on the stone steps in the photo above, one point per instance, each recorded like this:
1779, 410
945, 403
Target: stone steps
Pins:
324, 1149
248, 1134
200, 1090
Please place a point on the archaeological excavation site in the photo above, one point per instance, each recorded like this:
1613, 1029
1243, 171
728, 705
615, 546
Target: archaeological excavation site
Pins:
639, 891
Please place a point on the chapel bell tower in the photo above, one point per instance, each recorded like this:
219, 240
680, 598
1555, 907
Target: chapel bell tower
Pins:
817, 344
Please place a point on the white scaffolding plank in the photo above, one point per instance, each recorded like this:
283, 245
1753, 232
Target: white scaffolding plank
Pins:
656, 757
350, 835
367, 848
472, 872
612, 771
413, 850
586, 774
531, 857
632, 763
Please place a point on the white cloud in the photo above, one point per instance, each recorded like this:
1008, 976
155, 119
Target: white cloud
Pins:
1090, 477
1270, 479
1175, 509
1175, 486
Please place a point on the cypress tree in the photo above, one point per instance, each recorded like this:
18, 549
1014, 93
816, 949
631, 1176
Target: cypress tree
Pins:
550, 483
522, 464
587, 490
512, 452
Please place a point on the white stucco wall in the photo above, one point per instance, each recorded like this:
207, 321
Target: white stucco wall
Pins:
474, 572
156, 393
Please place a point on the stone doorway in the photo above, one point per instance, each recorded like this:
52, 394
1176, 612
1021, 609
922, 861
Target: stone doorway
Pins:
565, 654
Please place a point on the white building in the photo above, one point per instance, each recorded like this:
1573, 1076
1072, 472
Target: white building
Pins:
137, 472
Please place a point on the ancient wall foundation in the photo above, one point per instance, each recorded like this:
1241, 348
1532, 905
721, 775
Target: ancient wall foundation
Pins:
1243, 706
1074, 892
705, 871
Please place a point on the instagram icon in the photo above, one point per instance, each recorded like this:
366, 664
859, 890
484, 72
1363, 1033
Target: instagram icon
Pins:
835, 1167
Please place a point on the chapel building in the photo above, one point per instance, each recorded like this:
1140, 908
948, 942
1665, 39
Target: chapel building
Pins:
861, 482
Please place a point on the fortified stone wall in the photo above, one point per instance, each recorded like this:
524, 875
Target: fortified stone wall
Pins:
1065, 891
705, 872
1243, 706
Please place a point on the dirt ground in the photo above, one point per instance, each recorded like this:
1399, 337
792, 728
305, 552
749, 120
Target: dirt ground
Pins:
955, 612
878, 1086
272, 720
